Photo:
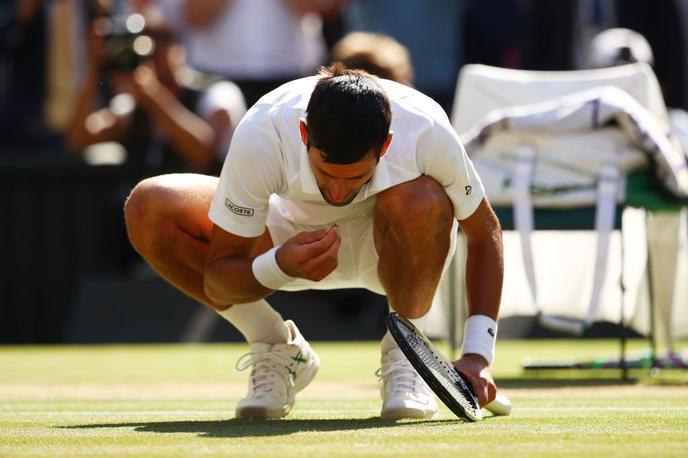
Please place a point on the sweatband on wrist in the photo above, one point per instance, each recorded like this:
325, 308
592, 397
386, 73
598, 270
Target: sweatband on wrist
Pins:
479, 336
268, 272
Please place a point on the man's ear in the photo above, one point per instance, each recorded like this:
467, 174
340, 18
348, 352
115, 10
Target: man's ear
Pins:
303, 131
385, 145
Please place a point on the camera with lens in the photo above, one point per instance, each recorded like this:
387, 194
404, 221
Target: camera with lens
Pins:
127, 46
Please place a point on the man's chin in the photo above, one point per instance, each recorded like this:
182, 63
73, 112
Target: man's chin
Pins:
341, 203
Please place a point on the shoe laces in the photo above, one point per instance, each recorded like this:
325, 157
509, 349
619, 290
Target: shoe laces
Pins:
268, 367
400, 376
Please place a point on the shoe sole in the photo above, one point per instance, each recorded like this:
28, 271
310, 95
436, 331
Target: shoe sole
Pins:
259, 413
400, 413
264, 413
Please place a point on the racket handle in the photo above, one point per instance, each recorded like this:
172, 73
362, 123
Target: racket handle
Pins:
500, 406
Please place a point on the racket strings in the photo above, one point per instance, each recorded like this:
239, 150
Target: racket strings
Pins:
445, 375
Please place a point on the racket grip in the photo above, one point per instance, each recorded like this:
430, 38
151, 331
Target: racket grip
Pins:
500, 406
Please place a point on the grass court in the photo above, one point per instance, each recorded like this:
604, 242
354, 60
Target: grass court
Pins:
178, 400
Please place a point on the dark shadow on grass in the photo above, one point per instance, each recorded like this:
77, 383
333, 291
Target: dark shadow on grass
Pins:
259, 428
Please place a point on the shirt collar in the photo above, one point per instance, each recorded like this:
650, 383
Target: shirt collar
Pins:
308, 183
379, 182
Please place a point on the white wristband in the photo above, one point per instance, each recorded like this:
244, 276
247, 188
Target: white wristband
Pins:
479, 336
268, 272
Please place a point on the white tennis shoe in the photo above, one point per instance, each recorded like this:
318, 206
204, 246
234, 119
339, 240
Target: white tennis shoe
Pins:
278, 372
404, 393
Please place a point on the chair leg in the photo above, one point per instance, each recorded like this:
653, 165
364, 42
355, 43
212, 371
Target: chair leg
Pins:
622, 322
650, 287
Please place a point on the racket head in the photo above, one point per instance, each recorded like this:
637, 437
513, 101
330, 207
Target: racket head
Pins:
437, 371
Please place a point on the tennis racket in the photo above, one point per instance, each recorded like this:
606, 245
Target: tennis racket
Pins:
439, 373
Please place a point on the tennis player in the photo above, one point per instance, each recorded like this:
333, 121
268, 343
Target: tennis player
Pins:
338, 180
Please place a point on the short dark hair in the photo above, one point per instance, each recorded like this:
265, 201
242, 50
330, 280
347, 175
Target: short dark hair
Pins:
348, 115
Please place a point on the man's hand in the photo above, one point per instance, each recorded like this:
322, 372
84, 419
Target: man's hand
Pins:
310, 255
145, 84
475, 369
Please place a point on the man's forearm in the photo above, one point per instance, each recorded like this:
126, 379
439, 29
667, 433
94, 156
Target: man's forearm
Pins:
485, 274
230, 280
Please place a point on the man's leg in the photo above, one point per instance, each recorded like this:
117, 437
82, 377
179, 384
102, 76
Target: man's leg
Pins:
167, 222
168, 225
413, 223
412, 233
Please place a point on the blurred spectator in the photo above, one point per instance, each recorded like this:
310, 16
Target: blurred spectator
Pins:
430, 30
378, 54
659, 26
492, 31
663, 25
42, 56
166, 121
258, 44
556, 35
550, 35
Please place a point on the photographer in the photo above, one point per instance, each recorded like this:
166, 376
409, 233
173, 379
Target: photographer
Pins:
156, 111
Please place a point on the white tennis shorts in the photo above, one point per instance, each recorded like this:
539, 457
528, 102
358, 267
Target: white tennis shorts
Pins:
358, 258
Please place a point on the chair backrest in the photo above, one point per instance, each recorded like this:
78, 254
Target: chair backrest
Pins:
481, 88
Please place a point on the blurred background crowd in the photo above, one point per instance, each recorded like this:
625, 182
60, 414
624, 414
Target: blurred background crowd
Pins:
98, 94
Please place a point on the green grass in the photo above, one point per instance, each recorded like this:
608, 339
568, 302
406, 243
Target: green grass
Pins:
178, 400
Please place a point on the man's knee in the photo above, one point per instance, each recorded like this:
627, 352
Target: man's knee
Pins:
145, 212
418, 205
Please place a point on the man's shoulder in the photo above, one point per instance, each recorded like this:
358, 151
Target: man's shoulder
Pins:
293, 93
277, 113
421, 127
410, 103
269, 131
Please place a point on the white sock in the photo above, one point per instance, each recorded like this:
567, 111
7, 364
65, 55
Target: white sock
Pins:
258, 322
388, 343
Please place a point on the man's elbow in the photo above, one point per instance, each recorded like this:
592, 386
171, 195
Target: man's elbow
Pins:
489, 239
494, 237
497, 232
493, 226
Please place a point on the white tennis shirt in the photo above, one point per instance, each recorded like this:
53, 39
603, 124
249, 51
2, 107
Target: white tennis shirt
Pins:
267, 165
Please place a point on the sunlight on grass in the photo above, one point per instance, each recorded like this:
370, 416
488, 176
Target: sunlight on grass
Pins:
178, 400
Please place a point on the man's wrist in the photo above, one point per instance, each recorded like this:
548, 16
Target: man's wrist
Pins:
475, 358
267, 272
480, 334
